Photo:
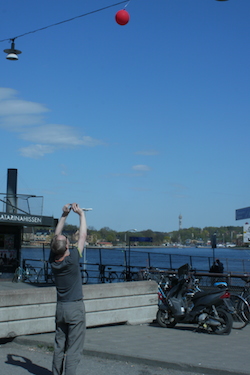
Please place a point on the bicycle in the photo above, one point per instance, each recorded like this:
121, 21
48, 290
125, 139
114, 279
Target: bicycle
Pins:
163, 289
245, 293
109, 277
151, 273
29, 273
241, 313
241, 303
240, 307
144, 274
45, 274
125, 275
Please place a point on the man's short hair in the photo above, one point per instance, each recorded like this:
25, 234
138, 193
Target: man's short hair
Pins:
58, 247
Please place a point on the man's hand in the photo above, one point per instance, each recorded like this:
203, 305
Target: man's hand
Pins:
66, 208
77, 209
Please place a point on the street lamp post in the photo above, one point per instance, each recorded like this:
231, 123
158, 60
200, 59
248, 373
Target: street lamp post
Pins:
213, 241
128, 278
125, 236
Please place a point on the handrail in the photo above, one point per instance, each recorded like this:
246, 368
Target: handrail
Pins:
93, 270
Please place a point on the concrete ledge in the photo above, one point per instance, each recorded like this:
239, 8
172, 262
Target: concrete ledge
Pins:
32, 310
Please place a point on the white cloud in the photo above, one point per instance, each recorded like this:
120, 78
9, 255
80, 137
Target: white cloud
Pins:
10, 107
27, 119
16, 123
52, 134
141, 167
36, 151
91, 142
58, 135
6, 93
15, 112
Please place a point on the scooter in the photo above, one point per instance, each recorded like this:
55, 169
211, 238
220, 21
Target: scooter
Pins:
210, 310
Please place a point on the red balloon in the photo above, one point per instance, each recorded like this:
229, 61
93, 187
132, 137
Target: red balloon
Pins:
122, 17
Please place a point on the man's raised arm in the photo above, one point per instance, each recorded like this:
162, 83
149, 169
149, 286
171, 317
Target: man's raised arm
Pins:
82, 227
62, 220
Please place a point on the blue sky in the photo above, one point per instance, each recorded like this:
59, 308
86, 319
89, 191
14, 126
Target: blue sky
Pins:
141, 122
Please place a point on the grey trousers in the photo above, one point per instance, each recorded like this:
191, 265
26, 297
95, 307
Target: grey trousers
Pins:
69, 337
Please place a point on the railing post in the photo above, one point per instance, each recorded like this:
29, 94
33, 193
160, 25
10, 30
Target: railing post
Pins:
149, 260
46, 271
128, 274
101, 267
209, 263
227, 269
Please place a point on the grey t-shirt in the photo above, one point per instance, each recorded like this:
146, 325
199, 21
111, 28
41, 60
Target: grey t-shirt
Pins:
67, 277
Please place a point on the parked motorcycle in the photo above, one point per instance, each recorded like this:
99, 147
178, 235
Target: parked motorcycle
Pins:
183, 304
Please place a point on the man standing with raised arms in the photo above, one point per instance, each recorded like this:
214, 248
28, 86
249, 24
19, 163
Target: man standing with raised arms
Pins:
70, 310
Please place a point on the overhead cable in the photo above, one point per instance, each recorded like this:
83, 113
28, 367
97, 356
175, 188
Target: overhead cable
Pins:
68, 20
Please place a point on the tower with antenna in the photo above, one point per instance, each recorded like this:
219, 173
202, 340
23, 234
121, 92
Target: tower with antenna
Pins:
180, 222
180, 227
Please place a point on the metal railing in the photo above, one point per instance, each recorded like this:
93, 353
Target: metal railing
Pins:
102, 273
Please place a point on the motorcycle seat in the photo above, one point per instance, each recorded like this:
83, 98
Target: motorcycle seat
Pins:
204, 293
200, 294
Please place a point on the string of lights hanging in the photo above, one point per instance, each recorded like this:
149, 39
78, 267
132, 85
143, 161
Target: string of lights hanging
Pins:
122, 17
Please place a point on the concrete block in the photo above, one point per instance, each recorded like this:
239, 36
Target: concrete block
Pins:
31, 311
16, 313
136, 315
29, 296
27, 327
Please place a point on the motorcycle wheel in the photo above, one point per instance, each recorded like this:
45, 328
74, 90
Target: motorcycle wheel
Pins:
227, 324
165, 319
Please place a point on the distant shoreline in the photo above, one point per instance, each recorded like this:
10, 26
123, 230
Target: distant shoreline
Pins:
39, 246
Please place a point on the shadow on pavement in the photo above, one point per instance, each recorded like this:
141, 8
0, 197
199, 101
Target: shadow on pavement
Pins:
184, 327
27, 364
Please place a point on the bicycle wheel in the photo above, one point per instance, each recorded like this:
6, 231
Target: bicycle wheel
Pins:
30, 274
42, 277
17, 275
20, 275
112, 277
50, 277
14, 279
132, 276
122, 276
241, 312
247, 298
85, 276
135, 276
101, 278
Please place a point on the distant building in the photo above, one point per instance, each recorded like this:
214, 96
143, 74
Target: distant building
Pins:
104, 244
